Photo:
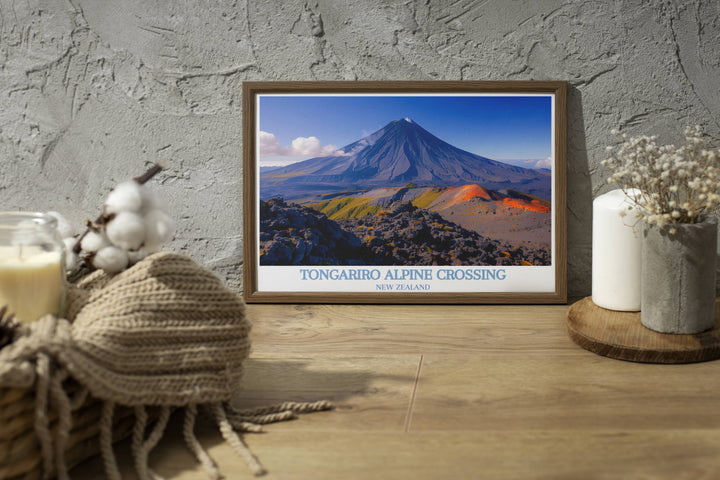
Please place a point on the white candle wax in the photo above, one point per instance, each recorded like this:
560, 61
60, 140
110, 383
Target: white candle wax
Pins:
31, 281
616, 252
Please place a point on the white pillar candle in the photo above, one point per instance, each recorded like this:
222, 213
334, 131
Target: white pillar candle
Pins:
31, 281
616, 252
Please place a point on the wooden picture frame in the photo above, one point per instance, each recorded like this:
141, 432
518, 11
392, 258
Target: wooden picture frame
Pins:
405, 192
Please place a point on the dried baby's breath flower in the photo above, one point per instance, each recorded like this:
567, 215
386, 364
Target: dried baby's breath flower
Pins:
680, 184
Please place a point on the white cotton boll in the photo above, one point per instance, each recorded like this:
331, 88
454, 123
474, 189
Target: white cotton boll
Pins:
94, 241
63, 226
126, 197
71, 258
151, 200
111, 259
69, 243
71, 261
126, 230
136, 255
159, 228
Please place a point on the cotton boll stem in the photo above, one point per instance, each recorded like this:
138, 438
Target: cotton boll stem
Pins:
150, 173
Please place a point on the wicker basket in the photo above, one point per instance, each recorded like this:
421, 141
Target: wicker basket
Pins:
20, 454
192, 321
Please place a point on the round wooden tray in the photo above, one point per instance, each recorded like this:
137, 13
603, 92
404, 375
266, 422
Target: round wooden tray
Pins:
621, 335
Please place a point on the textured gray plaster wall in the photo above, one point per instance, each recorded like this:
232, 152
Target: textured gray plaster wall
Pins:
93, 90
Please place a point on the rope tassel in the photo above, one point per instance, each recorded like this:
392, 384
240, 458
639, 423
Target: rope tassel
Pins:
250, 420
138, 434
235, 441
106, 439
194, 445
154, 438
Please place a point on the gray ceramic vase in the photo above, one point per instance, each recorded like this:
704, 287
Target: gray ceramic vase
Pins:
678, 278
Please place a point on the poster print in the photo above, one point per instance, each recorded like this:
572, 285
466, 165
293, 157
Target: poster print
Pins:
405, 192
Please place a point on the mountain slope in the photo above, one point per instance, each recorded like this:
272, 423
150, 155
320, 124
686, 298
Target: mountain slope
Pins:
399, 153
291, 234
509, 215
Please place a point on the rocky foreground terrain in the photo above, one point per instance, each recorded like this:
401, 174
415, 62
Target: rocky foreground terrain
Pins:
291, 234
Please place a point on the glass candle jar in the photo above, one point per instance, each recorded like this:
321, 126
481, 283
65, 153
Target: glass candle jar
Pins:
32, 265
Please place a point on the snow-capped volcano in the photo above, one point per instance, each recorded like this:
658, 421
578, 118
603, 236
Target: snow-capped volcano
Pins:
399, 153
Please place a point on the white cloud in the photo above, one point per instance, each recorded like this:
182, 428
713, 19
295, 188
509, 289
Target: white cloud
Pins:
300, 147
311, 147
547, 163
270, 146
534, 163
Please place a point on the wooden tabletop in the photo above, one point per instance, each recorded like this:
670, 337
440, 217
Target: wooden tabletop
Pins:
446, 392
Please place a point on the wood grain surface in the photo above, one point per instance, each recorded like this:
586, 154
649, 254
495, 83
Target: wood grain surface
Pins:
621, 335
438, 392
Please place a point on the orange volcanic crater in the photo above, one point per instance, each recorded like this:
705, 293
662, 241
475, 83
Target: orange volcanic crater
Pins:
466, 192
533, 206
457, 195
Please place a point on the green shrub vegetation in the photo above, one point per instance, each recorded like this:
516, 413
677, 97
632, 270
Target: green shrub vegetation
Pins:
424, 200
345, 207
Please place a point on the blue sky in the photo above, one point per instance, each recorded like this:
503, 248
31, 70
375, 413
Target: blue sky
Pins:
516, 128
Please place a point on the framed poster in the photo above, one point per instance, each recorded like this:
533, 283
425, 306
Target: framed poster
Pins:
404, 192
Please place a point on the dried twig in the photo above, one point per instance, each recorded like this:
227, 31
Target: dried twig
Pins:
8, 327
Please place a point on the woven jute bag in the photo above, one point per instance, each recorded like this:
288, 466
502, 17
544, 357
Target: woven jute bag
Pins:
163, 335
